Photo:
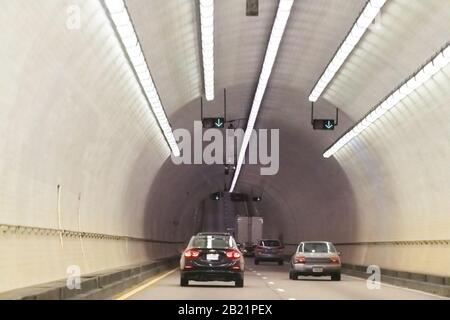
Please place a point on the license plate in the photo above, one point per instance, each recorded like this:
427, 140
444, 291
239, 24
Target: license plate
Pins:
213, 257
317, 269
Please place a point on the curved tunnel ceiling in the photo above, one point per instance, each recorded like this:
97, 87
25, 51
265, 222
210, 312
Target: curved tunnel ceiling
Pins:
389, 52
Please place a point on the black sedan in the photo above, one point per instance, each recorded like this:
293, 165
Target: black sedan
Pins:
212, 257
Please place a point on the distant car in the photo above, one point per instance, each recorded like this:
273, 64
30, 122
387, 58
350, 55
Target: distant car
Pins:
249, 249
269, 250
212, 256
318, 258
242, 249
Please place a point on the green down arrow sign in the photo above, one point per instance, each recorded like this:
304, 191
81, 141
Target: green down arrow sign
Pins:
219, 122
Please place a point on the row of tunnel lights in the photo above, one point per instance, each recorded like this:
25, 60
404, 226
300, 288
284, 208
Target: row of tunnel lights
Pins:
124, 27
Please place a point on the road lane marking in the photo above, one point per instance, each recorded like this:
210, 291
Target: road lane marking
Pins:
145, 285
280, 290
292, 299
265, 278
271, 282
258, 274
383, 284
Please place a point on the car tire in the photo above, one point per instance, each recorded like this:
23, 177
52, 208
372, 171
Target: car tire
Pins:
239, 282
280, 262
256, 261
292, 275
184, 282
336, 277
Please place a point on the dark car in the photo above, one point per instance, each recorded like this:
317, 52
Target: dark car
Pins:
212, 257
269, 250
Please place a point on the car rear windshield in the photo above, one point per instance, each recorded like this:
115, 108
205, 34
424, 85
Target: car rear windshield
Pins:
318, 247
212, 241
270, 243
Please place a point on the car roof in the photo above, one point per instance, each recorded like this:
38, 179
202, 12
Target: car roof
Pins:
213, 234
327, 242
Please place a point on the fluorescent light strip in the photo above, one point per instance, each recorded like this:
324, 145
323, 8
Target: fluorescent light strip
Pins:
431, 68
122, 22
207, 29
284, 10
369, 13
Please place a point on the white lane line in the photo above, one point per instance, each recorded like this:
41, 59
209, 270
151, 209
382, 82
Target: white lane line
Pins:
253, 271
292, 299
258, 274
145, 285
383, 284
271, 283
280, 290
265, 278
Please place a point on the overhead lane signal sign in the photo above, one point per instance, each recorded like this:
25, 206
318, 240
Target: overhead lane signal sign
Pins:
217, 123
324, 124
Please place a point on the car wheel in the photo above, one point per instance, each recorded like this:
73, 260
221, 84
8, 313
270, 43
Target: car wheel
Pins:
184, 282
256, 261
239, 283
280, 263
292, 275
336, 277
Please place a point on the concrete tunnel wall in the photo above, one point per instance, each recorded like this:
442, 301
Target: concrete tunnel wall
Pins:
72, 116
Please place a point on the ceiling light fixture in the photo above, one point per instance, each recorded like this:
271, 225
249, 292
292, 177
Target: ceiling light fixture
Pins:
207, 30
119, 15
438, 62
363, 22
284, 10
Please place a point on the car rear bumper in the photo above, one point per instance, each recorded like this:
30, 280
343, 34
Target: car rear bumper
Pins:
314, 269
269, 256
212, 275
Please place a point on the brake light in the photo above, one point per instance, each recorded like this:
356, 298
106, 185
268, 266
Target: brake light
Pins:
191, 253
335, 259
300, 259
233, 254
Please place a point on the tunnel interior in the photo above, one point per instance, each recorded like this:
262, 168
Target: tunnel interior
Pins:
82, 153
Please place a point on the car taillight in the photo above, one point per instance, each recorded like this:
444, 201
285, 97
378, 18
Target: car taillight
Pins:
233, 254
335, 259
191, 253
300, 259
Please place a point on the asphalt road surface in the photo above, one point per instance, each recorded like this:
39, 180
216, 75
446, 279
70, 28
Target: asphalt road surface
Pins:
267, 281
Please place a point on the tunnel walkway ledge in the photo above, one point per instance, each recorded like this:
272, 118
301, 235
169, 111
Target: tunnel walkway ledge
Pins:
427, 283
94, 286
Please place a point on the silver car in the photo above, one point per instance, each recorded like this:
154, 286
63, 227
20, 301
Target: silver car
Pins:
315, 258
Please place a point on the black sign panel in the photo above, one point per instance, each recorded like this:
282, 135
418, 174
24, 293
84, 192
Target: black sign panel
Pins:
323, 124
238, 197
252, 7
213, 123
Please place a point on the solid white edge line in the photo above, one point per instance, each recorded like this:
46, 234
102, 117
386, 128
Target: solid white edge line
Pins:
398, 287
